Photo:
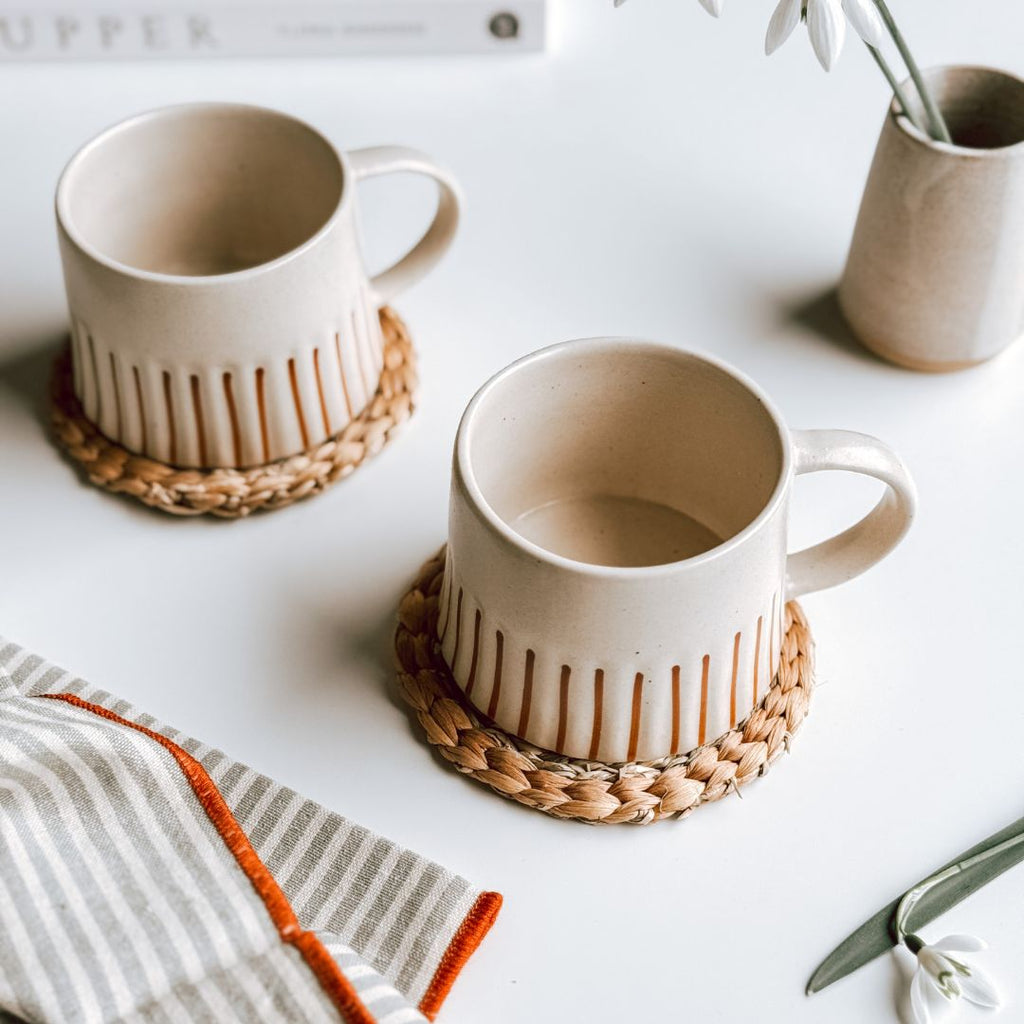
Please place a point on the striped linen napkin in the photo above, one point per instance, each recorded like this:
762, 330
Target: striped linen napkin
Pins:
146, 877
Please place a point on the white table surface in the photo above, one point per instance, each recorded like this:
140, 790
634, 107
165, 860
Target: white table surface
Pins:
652, 175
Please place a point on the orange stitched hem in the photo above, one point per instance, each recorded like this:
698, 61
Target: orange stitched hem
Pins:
312, 950
464, 943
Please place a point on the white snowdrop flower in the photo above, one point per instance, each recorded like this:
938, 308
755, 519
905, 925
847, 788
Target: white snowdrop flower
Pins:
826, 25
785, 18
942, 968
866, 21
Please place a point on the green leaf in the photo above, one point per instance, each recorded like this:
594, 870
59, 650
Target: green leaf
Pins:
875, 937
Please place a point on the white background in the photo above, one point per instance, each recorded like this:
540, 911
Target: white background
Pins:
652, 175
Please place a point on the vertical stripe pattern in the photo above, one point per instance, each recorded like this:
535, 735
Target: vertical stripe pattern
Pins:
475, 655
634, 723
499, 646
595, 733
732, 685
563, 706
702, 727
235, 415
757, 656
676, 710
616, 712
158, 880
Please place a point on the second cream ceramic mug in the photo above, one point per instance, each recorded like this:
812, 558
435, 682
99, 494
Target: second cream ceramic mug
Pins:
221, 314
617, 569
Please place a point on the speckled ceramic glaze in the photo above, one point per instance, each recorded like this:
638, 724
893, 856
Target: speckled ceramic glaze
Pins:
935, 275
220, 311
582, 473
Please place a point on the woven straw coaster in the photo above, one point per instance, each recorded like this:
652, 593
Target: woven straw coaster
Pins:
233, 493
637, 793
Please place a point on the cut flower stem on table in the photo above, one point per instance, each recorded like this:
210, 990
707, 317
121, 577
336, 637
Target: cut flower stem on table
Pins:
941, 968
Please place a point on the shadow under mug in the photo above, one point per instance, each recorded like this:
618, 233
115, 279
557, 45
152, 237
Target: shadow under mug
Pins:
617, 570
221, 314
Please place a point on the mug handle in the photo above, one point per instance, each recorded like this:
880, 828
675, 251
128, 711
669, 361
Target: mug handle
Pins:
377, 160
860, 546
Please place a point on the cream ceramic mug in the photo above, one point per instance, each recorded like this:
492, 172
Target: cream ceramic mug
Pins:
617, 570
221, 314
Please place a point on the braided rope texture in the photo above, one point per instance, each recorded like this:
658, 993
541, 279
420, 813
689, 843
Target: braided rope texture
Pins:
638, 793
234, 493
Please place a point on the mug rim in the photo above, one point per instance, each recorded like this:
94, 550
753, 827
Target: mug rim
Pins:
65, 183
482, 507
910, 130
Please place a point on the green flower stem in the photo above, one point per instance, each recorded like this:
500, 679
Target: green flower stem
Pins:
911, 898
939, 130
894, 84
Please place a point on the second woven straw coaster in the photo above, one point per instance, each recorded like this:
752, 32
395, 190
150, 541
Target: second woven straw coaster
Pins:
638, 793
233, 493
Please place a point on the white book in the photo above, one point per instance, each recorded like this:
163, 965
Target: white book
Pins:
136, 29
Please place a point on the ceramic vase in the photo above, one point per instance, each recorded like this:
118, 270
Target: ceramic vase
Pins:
935, 275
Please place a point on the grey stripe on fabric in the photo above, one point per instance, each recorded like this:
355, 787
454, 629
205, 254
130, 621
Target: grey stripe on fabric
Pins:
65, 936
445, 924
341, 865
301, 984
156, 1011
197, 916
133, 873
121, 707
211, 759
260, 808
42, 678
250, 911
276, 987
310, 856
285, 846
223, 921
241, 919
279, 982
414, 975
142, 789
110, 917
34, 674
21, 664
399, 910
233, 786
392, 887
271, 986
246, 803
132, 814
25, 985
409, 917
227, 782
278, 813
329, 858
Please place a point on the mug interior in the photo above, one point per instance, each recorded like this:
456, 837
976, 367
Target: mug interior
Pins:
202, 190
983, 108
622, 453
